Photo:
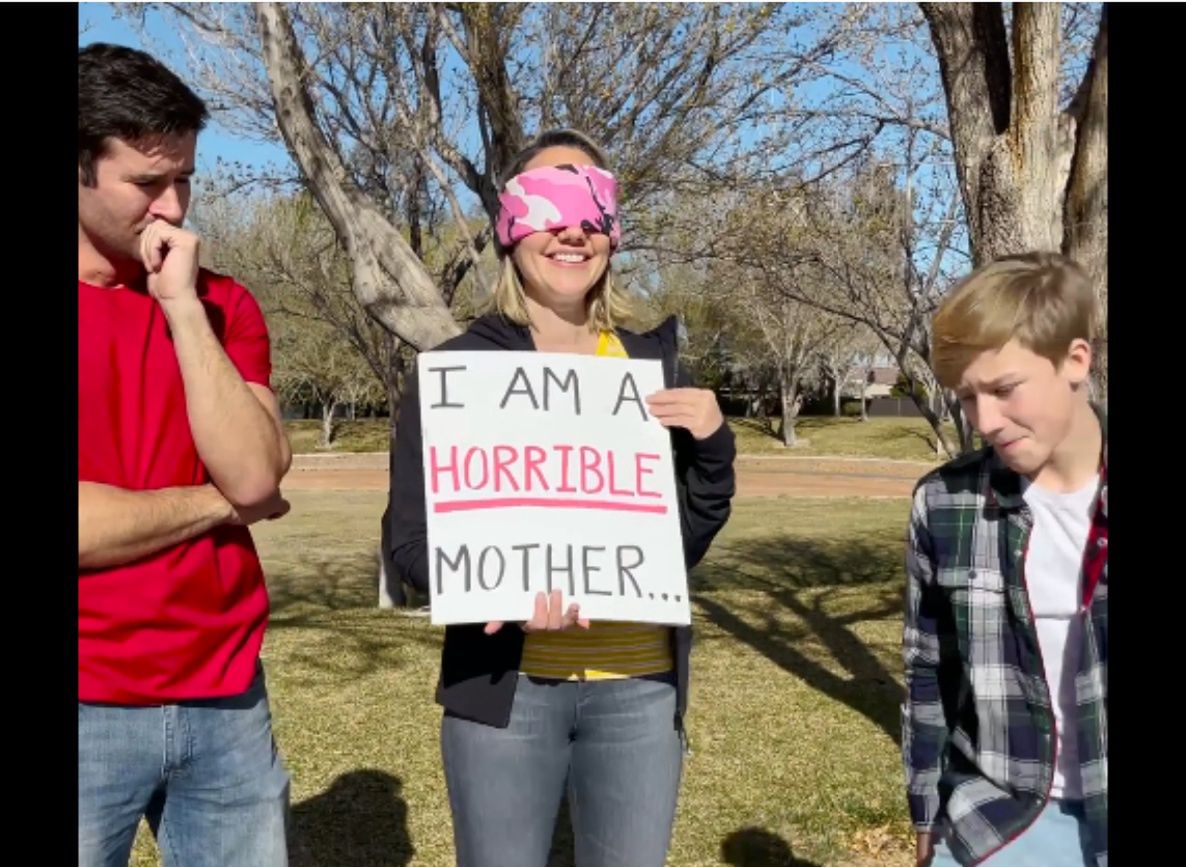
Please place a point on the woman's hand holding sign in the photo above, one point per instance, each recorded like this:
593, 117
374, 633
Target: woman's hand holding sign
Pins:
693, 408
549, 615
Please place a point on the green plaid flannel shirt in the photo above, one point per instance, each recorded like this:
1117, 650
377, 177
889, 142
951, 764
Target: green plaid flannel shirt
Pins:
977, 726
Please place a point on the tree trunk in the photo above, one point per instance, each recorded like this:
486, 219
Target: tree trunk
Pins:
962, 427
394, 399
1031, 177
914, 392
788, 388
941, 436
836, 397
1086, 210
393, 379
390, 282
1012, 155
327, 422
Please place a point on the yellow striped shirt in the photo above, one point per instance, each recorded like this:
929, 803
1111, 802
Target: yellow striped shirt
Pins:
607, 650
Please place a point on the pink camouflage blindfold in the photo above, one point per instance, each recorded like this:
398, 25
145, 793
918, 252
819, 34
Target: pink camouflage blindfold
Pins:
556, 197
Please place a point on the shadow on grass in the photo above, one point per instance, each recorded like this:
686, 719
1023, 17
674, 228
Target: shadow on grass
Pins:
333, 603
780, 569
757, 847
319, 584
745, 847
361, 820
927, 436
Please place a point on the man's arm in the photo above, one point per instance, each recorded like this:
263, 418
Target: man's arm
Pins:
236, 425
117, 526
924, 726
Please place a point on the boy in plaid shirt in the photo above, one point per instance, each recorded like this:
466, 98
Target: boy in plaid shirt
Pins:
1004, 734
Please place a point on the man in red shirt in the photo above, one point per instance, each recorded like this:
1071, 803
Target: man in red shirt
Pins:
180, 449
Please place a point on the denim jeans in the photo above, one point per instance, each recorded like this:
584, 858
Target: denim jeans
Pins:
615, 742
1055, 839
206, 774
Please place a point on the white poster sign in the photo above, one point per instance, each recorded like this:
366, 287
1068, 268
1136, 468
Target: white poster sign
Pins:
546, 471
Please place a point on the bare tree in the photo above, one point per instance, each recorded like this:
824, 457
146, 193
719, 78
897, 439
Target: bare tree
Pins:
869, 177
1031, 157
668, 87
388, 108
793, 332
849, 247
285, 247
947, 198
312, 364
866, 365
846, 356
762, 293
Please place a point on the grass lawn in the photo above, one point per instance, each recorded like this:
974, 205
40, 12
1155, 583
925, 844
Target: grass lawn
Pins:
892, 438
794, 708
361, 435
909, 439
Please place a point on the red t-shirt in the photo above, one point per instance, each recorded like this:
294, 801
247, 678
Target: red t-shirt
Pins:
186, 622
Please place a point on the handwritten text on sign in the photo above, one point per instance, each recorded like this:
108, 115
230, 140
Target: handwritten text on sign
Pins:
545, 471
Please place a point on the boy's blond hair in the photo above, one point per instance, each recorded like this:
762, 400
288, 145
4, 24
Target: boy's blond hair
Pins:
1042, 300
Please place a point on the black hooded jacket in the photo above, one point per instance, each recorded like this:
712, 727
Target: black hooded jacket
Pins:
478, 671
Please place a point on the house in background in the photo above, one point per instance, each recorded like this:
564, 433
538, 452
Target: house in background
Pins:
879, 382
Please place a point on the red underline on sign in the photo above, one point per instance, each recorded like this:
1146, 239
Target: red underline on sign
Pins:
548, 503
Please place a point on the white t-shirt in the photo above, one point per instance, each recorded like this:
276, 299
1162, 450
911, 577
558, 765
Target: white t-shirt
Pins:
1053, 577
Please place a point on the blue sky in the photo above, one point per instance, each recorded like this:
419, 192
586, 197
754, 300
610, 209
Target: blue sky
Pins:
98, 22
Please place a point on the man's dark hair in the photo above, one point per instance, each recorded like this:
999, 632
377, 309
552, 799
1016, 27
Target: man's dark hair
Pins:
128, 94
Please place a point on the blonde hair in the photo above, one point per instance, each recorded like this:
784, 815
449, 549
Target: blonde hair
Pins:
606, 304
1044, 301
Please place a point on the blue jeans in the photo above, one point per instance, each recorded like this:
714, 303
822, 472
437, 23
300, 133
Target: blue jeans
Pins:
206, 775
1055, 839
615, 742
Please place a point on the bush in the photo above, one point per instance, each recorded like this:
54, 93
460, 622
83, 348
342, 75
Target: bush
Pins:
902, 389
